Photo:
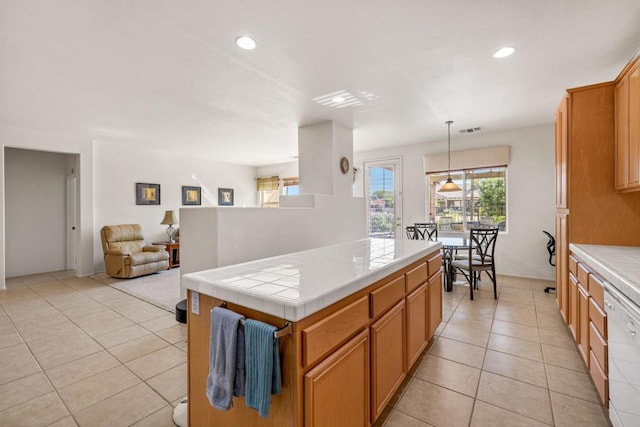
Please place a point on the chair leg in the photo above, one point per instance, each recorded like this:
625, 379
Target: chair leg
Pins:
472, 279
495, 284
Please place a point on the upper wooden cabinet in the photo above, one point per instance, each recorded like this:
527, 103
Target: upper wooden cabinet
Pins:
627, 120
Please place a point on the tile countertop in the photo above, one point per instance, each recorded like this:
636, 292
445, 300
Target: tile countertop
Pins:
296, 285
617, 265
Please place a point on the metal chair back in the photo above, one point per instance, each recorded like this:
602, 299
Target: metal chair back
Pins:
426, 231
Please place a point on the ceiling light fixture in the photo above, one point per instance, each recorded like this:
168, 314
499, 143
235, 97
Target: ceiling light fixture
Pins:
245, 42
449, 185
338, 99
504, 52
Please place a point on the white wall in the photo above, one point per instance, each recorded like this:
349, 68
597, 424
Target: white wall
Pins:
283, 170
68, 144
118, 167
35, 211
530, 192
216, 237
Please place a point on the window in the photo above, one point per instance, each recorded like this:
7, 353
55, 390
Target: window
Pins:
268, 194
269, 190
291, 186
482, 199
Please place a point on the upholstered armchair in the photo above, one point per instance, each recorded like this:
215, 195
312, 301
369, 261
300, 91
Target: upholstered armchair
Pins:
126, 255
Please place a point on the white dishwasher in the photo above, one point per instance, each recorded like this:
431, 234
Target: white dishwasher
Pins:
624, 358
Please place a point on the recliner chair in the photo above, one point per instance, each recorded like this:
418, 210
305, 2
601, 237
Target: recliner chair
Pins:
127, 256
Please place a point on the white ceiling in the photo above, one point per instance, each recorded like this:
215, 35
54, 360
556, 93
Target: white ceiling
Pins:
167, 74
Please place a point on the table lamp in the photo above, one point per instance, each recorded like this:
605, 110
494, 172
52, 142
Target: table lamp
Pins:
170, 219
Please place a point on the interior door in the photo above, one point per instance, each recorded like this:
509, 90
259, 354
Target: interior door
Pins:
383, 190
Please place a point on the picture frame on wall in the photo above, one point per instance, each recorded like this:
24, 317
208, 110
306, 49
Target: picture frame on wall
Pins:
147, 194
225, 196
191, 196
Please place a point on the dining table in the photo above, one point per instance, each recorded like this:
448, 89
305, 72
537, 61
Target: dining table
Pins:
450, 246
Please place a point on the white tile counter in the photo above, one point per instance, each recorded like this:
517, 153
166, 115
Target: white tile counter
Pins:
296, 285
618, 265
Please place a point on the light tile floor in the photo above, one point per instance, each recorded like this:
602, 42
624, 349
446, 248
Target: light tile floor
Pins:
506, 362
76, 352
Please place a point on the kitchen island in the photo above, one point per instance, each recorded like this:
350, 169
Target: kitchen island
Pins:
358, 316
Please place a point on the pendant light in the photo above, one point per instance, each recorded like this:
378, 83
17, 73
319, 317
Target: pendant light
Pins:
449, 185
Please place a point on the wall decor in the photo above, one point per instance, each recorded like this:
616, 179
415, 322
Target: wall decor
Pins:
225, 196
344, 165
191, 196
147, 194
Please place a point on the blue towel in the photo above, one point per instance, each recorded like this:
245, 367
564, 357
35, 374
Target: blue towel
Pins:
262, 365
223, 353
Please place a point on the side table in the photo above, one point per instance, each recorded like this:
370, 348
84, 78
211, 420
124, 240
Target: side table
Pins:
174, 253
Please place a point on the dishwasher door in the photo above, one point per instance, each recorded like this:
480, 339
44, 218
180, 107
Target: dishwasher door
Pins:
624, 358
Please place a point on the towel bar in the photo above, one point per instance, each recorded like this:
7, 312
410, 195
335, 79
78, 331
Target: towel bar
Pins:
285, 330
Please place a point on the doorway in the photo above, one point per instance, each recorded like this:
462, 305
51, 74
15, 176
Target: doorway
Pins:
383, 191
37, 200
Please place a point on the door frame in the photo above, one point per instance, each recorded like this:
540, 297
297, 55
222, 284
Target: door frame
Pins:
71, 187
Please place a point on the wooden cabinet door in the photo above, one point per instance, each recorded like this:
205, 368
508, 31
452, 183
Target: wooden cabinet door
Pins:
435, 303
336, 392
583, 326
562, 270
574, 308
634, 132
622, 134
562, 152
417, 306
388, 361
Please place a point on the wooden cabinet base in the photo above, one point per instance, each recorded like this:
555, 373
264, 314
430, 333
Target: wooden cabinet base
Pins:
340, 366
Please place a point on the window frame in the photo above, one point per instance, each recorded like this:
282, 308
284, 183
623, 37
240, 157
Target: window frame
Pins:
461, 177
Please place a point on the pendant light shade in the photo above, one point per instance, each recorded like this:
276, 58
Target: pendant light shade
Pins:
449, 185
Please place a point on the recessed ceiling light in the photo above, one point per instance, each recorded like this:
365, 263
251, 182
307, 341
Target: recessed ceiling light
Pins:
338, 99
245, 42
504, 52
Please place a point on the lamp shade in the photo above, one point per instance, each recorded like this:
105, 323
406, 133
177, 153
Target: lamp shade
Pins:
169, 218
449, 186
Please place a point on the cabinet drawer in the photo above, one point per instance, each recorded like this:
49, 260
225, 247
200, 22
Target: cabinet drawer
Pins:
583, 275
600, 379
322, 337
596, 289
573, 265
386, 296
434, 264
598, 317
417, 277
599, 347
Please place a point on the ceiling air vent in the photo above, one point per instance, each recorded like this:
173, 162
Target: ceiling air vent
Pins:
470, 130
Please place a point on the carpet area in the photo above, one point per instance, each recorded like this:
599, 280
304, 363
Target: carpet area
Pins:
161, 289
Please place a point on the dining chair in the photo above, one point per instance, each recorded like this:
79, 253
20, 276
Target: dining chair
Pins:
480, 257
426, 231
412, 234
551, 248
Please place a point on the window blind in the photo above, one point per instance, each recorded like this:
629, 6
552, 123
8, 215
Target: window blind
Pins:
287, 182
467, 159
268, 184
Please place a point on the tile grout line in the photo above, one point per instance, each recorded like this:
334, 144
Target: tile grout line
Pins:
42, 297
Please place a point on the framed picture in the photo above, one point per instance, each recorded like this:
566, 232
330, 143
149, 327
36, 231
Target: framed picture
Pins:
147, 194
225, 196
191, 195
